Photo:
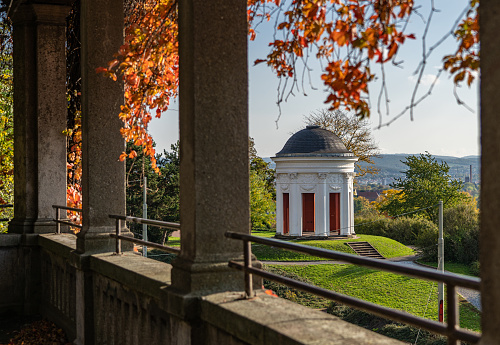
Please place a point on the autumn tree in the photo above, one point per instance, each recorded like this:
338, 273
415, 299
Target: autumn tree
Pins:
351, 38
6, 122
425, 183
353, 131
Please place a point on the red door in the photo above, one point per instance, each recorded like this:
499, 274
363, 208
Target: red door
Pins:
308, 212
335, 212
286, 213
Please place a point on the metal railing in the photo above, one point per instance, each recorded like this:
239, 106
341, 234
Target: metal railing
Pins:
451, 329
5, 206
119, 237
65, 221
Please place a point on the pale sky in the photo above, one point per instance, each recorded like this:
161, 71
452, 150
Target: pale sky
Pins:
440, 125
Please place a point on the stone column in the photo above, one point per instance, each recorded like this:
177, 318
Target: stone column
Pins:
344, 205
490, 166
214, 171
295, 206
321, 207
279, 205
103, 176
40, 112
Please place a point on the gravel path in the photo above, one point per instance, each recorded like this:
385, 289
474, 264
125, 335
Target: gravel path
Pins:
472, 296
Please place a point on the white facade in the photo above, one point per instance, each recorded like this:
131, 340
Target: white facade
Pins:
319, 176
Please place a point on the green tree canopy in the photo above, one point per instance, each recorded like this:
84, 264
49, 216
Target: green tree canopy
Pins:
262, 190
162, 190
426, 181
354, 132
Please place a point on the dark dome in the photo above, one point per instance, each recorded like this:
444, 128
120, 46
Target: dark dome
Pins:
314, 141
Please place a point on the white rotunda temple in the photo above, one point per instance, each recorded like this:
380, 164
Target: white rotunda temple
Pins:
314, 185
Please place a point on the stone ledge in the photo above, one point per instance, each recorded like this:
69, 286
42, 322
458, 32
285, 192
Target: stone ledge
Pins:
134, 271
59, 244
10, 240
271, 320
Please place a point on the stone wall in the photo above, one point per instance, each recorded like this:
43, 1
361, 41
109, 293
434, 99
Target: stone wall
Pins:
58, 281
133, 302
11, 298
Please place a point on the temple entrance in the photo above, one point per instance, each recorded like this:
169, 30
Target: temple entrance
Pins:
286, 213
308, 212
335, 212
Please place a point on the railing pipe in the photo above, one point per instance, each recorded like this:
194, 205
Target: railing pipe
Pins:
451, 330
147, 243
452, 314
376, 309
5, 206
58, 225
247, 252
60, 221
158, 223
119, 219
425, 273
118, 235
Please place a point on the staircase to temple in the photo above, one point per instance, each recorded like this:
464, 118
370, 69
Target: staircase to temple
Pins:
365, 249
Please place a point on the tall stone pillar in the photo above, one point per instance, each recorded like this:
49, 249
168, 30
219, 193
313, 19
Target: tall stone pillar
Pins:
103, 176
214, 170
490, 166
40, 112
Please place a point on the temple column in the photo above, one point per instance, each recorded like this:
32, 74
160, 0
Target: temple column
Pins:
321, 207
40, 112
279, 207
295, 207
344, 205
214, 170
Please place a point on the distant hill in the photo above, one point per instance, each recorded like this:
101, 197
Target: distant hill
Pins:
390, 167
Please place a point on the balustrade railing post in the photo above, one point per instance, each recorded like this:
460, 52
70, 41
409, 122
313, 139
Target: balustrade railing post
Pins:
118, 233
452, 313
247, 253
58, 225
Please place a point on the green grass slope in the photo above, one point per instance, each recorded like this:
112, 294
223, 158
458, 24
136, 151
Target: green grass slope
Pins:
387, 247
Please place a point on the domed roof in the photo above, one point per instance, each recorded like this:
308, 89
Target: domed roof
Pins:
314, 141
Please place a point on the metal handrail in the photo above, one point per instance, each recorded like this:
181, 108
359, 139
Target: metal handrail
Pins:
451, 330
65, 221
119, 237
5, 206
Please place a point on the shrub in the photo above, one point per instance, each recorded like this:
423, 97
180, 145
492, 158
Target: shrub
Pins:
475, 268
405, 230
461, 236
377, 225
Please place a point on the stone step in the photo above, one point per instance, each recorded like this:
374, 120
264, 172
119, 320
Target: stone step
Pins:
365, 249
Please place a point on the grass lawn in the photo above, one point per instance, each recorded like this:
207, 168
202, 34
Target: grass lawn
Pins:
387, 247
418, 297
452, 267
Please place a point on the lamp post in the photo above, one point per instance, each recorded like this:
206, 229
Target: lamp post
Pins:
441, 263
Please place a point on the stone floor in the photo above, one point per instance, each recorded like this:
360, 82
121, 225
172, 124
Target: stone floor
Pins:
11, 324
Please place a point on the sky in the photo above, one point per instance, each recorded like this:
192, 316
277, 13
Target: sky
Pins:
440, 125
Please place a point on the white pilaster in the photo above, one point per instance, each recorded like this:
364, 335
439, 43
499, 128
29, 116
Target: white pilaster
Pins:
344, 206
295, 206
321, 206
